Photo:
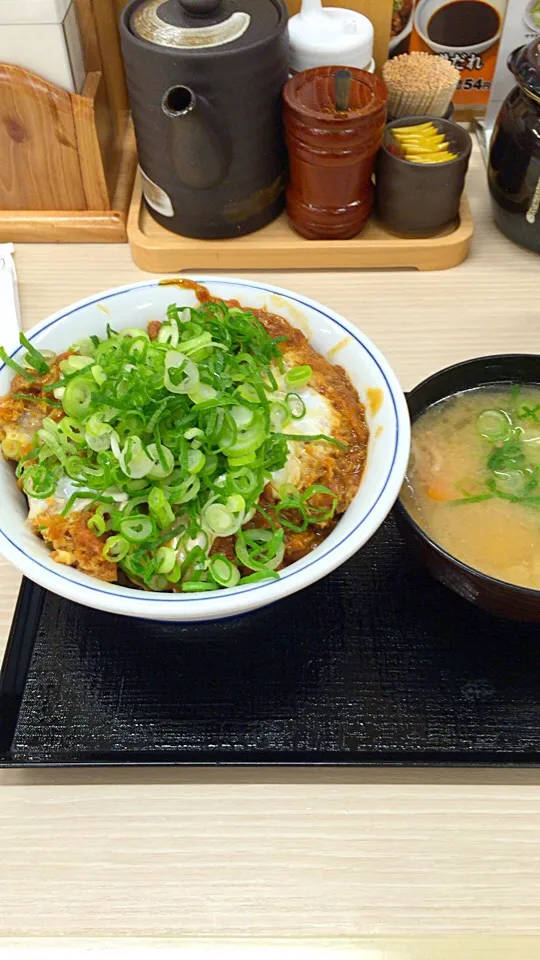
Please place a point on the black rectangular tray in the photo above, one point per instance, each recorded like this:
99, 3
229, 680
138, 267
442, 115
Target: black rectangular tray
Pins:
376, 664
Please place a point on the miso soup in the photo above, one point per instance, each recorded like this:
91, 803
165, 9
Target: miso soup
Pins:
473, 481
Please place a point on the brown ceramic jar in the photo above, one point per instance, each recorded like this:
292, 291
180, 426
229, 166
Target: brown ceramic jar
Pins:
332, 153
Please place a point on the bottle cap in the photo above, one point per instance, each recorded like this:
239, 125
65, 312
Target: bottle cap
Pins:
327, 36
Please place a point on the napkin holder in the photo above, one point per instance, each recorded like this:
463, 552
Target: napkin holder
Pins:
68, 159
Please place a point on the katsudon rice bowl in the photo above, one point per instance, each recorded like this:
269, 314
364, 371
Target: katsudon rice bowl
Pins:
183, 451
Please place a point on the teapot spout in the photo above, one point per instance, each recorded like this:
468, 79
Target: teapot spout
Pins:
199, 143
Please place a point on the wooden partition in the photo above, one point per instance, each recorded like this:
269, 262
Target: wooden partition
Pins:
68, 159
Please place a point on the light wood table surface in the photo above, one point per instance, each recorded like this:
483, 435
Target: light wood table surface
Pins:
286, 853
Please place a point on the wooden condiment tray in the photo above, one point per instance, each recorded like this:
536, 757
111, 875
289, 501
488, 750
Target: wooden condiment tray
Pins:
279, 247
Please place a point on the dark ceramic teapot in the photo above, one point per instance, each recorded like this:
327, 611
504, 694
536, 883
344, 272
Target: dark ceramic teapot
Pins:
205, 80
514, 162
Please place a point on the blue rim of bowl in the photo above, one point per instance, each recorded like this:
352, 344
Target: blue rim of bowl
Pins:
164, 598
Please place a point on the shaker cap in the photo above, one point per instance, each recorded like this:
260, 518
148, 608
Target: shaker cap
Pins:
195, 25
321, 36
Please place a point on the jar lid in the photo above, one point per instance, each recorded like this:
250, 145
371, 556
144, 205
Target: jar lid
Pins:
525, 65
312, 96
194, 25
321, 36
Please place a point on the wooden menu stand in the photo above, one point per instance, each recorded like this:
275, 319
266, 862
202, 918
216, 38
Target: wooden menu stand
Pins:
68, 160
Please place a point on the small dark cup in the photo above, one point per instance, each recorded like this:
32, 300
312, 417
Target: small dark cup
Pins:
496, 596
420, 199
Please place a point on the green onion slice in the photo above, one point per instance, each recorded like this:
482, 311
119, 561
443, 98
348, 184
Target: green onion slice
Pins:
39, 482
511, 482
34, 358
16, 367
160, 508
223, 571
494, 425
97, 524
260, 549
259, 577
137, 528
116, 549
298, 376
198, 586
296, 406
80, 396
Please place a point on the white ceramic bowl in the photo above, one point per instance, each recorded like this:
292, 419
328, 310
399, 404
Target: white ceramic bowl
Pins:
135, 305
529, 21
403, 34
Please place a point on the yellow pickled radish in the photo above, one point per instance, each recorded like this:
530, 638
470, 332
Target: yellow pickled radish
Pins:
423, 144
416, 128
412, 146
406, 141
423, 135
429, 148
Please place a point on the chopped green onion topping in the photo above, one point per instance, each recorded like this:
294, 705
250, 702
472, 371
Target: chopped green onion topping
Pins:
513, 462
173, 441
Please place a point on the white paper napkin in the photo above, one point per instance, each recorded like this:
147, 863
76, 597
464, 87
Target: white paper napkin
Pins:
10, 315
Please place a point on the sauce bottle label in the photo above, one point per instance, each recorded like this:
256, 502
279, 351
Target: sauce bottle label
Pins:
156, 197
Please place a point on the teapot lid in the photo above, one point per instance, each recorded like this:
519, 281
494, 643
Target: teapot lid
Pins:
525, 65
200, 24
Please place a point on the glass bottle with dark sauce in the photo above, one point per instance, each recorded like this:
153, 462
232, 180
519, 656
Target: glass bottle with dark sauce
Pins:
514, 163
